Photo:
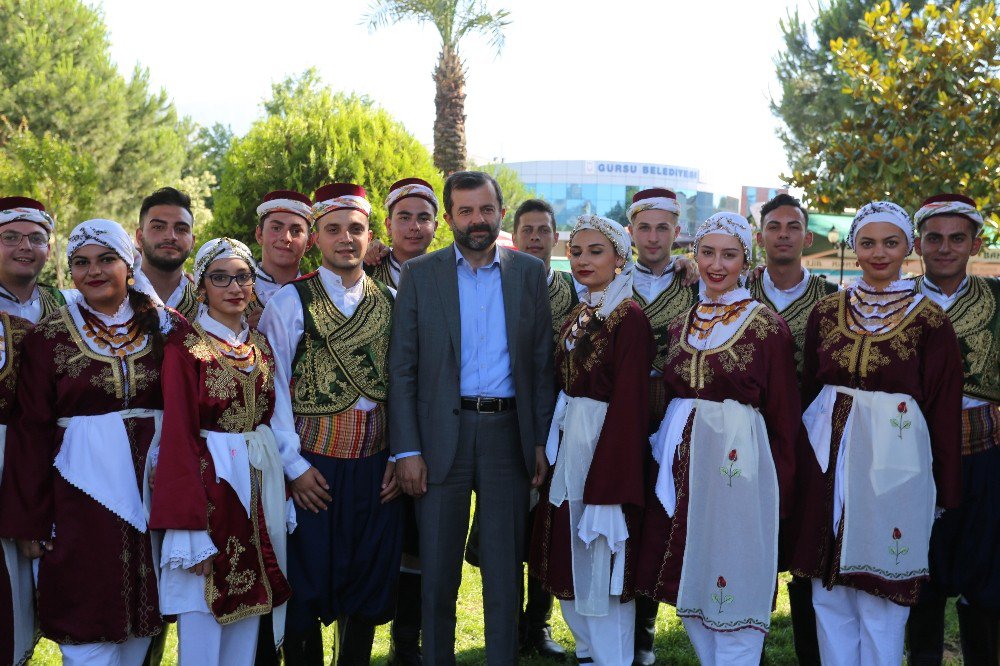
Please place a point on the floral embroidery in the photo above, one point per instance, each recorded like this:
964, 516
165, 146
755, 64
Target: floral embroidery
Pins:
720, 597
895, 549
240, 582
732, 471
900, 423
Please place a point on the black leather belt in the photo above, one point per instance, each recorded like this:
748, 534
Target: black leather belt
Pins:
488, 405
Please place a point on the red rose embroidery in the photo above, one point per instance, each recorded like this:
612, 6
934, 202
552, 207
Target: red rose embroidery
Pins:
721, 582
896, 549
732, 470
719, 596
901, 407
898, 421
732, 455
896, 534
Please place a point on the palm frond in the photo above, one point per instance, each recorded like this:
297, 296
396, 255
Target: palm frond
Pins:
474, 16
453, 19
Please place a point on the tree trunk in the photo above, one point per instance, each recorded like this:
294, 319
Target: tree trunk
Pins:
449, 119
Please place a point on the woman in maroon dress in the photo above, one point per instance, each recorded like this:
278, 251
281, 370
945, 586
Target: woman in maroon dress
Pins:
89, 409
582, 548
725, 457
882, 376
17, 590
220, 491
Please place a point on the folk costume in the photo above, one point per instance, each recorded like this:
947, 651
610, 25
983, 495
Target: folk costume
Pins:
330, 344
78, 458
279, 201
387, 270
882, 377
662, 297
220, 488
184, 298
964, 549
45, 299
582, 548
18, 631
793, 305
724, 456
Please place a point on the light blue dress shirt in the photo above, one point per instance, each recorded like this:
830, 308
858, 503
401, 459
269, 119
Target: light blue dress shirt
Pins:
486, 370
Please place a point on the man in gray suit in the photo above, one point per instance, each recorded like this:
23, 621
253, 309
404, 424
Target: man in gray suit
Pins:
470, 400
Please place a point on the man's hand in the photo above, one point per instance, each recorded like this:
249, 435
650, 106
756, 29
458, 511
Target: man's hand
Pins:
33, 549
541, 467
376, 252
754, 275
687, 270
310, 491
254, 318
203, 568
411, 472
390, 488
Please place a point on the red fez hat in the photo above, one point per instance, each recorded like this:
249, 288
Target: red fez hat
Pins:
942, 198
287, 194
6, 203
410, 181
653, 193
335, 190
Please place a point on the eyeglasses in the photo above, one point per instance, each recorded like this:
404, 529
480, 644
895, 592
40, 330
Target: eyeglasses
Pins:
223, 280
12, 238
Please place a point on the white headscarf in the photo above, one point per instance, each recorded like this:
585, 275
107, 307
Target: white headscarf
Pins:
729, 224
653, 203
111, 235
935, 208
882, 211
27, 214
221, 248
621, 286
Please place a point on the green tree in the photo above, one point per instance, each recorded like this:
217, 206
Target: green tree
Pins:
57, 75
311, 136
924, 111
453, 19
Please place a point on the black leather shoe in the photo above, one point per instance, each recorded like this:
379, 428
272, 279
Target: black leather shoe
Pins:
645, 631
540, 641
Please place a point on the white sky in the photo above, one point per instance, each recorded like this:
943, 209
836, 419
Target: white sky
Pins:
662, 81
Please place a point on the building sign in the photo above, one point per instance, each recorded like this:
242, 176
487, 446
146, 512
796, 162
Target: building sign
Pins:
639, 168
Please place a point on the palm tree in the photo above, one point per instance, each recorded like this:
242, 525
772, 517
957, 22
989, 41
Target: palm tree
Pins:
454, 19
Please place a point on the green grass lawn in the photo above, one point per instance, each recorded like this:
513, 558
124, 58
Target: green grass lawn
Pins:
672, 645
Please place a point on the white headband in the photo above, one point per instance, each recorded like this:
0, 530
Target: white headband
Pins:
321, 208
412, 190
221, 248
882, 211
653, 203
621, 286
287, 206
730, 224
111, 235
39, 217
948, 208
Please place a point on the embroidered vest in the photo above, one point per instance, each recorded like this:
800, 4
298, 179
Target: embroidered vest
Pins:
382, 272
188, 305
975, 316
339, 359
562, 298
796, 315
673, 302
51, 298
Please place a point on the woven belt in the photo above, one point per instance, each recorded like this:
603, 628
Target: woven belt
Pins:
980, 429
488, 405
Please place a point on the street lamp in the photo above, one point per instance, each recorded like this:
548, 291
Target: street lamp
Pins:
834, 237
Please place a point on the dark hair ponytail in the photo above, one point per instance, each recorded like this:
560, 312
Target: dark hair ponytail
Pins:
148, 316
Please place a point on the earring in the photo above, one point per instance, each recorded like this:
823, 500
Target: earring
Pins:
131, 280
857, 263
618, 270
201, 297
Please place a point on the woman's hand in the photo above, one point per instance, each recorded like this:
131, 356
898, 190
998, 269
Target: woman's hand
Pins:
33, 549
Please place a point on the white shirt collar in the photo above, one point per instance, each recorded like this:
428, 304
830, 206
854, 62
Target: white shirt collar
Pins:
9, 295
221, 331
800, 285
119, 318
937, 290
667, 270
459, 258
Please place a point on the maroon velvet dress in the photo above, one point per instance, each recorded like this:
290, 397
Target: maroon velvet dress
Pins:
611, 366
756, 367
204, 389
14, 330
919, 357
98, 584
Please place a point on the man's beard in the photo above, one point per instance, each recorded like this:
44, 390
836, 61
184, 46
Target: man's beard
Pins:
464, 238
162, 263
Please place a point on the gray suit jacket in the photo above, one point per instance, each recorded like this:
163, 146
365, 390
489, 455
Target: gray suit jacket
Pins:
425, 356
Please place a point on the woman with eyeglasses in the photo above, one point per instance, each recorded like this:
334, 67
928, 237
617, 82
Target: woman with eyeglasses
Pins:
88, 416
219, 489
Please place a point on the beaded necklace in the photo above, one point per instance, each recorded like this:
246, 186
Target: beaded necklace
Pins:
872, 312
119, 340
708, 315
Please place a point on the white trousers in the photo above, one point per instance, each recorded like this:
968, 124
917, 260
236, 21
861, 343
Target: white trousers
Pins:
855, 627
130, 653
722, 648
610, 639
202, 641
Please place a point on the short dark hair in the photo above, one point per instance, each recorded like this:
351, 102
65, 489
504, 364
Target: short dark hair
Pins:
780, 200
534, 206
469, 180
165, 196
